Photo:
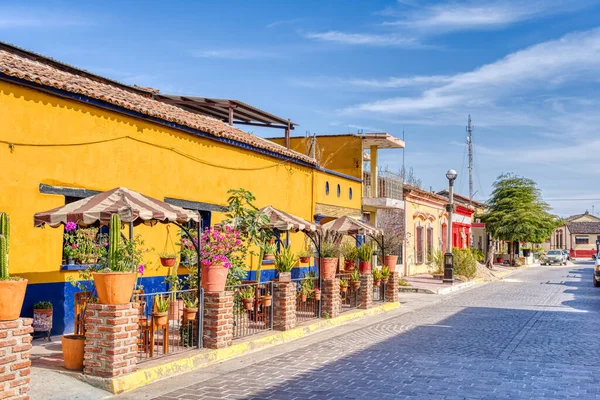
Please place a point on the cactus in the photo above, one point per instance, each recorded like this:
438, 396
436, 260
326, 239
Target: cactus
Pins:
113, 242
4, 241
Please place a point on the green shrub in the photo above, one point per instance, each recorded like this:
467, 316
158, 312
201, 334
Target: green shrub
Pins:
478, 254
465, 264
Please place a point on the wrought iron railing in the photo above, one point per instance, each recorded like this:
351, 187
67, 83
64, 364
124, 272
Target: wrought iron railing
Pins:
379, 292
172, 331
252, 308
388, 185
348, 293
308, 298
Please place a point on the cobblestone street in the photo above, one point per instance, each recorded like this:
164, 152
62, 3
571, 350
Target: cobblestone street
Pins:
534, 335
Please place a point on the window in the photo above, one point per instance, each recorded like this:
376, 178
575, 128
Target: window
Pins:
350, 193
429, 243
327, 188
339, 191
582, 240
419, 244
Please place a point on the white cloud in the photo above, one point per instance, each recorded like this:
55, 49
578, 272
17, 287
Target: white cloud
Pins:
292, 21
453, 16
232, 54
363, 39
572, 57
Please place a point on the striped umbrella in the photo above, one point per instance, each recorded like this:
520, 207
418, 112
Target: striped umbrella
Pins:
283, 221
350, 226
131, 206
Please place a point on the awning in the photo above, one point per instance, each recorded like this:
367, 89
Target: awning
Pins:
283, 221
129, 205
350, 226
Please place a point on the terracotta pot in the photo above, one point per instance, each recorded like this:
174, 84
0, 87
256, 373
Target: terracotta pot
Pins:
303, 297
160, 318
390, 262
344, 288
285, 277
12, 294
317, 295
42, 319
175, 310
305, 260
168, 261
376, 282
328, 267
114, 287
269, 257
349, 265
214, 277
72, 348
499, 259
364, 267
248, 304
355, 285
189, 314
266, 300
385, 280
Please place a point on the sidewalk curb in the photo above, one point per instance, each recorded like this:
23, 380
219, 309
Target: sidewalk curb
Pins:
204, 358
450, 289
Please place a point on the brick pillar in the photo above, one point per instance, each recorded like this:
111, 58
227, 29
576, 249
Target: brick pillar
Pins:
392, 294
330, 298
218, 319
15, 346
365, 292
284, 306
111, 339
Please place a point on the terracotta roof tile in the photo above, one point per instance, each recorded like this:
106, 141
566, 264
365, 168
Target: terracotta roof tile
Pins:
584, 228
47, 75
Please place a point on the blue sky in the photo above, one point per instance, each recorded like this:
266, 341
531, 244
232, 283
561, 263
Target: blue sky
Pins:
527, 72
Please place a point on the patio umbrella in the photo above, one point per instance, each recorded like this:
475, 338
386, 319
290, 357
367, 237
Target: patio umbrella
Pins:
350, 226
283, 221
133, 208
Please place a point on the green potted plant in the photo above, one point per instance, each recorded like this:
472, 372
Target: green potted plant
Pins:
365, 254
343, 285
12, 288
350, 254
168, 259
305, 256
377, 277
42, 317
385, 274
303, 293
328, 258
269, 249
247, 296
190, 309
160, 314
266, 299
284, 262
355, 279
317, 294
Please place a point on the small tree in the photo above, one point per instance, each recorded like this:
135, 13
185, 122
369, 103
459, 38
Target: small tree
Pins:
516, 212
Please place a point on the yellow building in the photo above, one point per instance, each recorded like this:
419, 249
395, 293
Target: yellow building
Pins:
426, 223
67, 133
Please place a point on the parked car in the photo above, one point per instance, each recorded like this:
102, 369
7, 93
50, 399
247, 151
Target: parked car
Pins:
597, 271
555, 257
567, 255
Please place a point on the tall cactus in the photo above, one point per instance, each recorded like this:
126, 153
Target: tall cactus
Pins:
113, 242
4, 243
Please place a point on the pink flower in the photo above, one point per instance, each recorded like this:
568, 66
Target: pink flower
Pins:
74, 246
141, 269
70, 226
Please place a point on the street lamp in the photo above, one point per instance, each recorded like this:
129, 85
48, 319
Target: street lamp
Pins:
448, 257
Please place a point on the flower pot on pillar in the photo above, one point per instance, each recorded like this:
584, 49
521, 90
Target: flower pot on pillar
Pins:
390, 262
214, 277
114, 287
328, 267
364, 267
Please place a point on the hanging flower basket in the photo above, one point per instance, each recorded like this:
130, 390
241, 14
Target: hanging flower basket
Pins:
160, 318
248, 304
305, 260
377, 282
343, 288
189, 314
317, 294
168, 261
355, 285
266, 300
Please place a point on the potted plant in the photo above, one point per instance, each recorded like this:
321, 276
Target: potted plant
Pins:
365, 254
72, 349
355, 279
303, 294
168, 259
176, 305
385, 274
266, 299
160, 312
343, 285
247, 296
377, 277
188, 253
284, 262
305, 256
350, 254
190, 309
115, 283
269, 249
42, 317
317, 294
218, 249
328, 258
12, 288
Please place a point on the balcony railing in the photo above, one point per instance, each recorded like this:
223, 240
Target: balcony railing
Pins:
388, 185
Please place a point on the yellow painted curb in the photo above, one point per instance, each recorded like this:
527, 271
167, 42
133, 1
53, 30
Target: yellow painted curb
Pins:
204, 358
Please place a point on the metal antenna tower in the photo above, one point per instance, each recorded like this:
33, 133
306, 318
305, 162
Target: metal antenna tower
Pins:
470, 144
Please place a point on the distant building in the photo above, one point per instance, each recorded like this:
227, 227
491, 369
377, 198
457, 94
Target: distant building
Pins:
579, 236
